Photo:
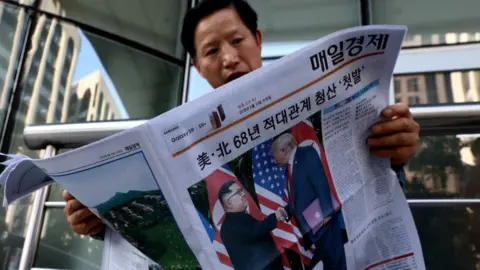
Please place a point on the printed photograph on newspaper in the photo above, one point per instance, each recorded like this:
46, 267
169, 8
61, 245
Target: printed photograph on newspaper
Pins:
275, 206
128, 199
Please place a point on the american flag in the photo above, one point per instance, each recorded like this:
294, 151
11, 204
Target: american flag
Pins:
270, 185
214, 181
216, 241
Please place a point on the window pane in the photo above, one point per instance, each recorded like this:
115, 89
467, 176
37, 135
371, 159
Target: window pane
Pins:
13, 227
292, 20
12, 33
449, 236
14, 220
440, 87
56, 193
431, 21
153, 23
62, 248
445, 166
127, 82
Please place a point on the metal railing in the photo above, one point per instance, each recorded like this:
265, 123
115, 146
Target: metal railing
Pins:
34, 228
434, 120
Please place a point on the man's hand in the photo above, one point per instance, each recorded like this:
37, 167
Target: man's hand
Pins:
281, 214
80, 218
397, 136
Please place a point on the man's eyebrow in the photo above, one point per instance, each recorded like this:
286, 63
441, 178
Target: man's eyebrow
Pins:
209, 43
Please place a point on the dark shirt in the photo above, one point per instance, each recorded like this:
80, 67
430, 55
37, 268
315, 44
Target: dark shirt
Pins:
249, 243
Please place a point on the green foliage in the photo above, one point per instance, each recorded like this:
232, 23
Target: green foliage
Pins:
448, 234
435, 155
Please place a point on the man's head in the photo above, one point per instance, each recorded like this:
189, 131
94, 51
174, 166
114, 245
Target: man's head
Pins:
222, 38
282, 148
232, 197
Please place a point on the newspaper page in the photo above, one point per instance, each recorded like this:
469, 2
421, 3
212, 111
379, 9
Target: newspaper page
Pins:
118, 179
270, 171
273, 171
119, 254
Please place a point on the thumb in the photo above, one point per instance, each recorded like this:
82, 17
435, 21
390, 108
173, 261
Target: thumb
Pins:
67, 196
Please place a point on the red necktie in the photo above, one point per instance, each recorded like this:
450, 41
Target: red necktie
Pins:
290, 183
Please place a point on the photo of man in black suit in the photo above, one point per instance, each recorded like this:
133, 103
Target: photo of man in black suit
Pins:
248, 241
311, 201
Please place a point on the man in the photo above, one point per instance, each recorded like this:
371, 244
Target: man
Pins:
223, 40
311, 201
248, 241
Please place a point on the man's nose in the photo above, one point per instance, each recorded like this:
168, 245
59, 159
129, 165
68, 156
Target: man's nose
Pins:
230, 57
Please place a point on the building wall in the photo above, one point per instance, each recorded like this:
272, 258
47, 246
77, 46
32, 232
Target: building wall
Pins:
92, 100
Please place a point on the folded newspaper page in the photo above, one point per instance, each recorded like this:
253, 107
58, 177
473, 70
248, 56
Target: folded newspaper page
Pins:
271, 171
119, 254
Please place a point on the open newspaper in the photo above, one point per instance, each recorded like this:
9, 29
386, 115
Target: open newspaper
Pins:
271, 171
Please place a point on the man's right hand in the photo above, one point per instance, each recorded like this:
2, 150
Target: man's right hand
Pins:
80, 218
281, 214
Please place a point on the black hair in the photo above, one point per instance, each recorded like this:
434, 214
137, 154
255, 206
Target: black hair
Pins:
224, 190
208, 7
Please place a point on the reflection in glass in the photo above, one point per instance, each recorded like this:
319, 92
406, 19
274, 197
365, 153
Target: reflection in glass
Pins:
72, 76
155, 24
440, 87
13, 227
12, 33
61, 248
55, 193
431, 22
292, 20
449, 236
14, 220
445, 167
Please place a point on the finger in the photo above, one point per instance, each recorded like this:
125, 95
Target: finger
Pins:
79, 216
399, 110
87, 225
72, 206
394, 140
96, 229
397, 125
398, 155
67, 196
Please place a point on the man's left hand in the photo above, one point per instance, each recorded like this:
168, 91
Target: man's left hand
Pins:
396, 137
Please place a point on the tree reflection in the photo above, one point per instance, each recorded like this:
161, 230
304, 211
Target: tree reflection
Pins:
448, 234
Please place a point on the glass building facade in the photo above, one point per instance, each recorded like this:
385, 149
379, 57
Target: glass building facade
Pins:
64, 61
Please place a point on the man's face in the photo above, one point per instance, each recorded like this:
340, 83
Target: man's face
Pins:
225, 48
235, 200
281, 155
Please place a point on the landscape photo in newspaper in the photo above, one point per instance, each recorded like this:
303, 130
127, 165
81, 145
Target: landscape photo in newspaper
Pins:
129, 200
275, 206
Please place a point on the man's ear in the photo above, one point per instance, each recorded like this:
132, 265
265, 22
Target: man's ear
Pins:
195, 64
258, 38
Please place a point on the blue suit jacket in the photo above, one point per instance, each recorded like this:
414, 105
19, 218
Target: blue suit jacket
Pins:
309, 183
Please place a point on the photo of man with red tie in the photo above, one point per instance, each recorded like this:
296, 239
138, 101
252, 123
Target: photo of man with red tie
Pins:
311, 202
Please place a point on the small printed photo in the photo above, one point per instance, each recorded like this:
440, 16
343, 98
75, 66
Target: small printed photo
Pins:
275, 206
128, 199
217, 117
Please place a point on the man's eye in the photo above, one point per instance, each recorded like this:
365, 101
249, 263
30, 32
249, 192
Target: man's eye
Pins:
237, 41
211, 51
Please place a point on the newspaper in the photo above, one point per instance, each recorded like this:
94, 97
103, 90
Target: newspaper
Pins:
270, 171
119, 254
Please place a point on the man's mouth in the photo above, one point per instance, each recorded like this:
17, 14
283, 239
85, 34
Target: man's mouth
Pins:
235, 76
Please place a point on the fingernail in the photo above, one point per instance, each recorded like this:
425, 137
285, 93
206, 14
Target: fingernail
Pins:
388, 112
